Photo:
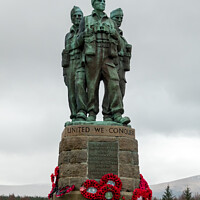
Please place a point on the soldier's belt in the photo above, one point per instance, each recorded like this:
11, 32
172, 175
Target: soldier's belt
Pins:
103, 45
74, 51
76, 56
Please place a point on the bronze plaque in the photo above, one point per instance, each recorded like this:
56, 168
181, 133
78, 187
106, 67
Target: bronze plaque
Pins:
102, 159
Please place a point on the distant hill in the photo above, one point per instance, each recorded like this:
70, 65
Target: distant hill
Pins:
26, 190
42, 190
178, 186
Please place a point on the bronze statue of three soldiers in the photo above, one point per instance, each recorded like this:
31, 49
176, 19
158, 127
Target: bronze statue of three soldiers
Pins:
95, 51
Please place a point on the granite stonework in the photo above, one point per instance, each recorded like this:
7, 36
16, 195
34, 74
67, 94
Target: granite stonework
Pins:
91, 151
76, 195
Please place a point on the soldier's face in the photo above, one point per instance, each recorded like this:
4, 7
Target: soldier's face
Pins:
76, 18
118, 19
99, 5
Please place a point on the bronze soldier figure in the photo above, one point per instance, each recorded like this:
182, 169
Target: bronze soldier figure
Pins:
124, 55
122, 62
101, 42
74, 71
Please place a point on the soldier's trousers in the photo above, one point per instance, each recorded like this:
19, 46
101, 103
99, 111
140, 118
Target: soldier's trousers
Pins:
101, 67
74, 77
122, 79
122, 83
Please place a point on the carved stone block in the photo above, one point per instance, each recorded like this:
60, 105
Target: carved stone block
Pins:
127, 144
71, 143
74, 156
73, 170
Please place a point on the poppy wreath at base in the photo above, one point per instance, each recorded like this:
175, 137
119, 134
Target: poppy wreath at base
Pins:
54, 181
90, 184
65, 190
111, 177
58, 191
108, 189
145, 193
53, 190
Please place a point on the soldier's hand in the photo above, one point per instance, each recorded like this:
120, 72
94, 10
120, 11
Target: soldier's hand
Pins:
65, 80
114, 34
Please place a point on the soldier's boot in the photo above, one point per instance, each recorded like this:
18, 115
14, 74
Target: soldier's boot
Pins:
122, 120
81, 116
107, 118
73, 117
91, 117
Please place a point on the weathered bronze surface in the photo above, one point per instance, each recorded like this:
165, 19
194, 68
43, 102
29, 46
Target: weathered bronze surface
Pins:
95, 51
102, 159
73, 70
122, 62
124, 56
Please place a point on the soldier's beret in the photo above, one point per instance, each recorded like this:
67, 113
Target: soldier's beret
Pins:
75, 9
92, 1
116, 12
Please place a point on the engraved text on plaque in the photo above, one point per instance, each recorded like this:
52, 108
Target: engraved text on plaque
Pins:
102, 159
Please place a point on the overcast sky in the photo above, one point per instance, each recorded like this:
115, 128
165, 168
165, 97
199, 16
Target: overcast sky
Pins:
162, 97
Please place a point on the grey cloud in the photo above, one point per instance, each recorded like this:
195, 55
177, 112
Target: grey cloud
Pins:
163, 85
164, 66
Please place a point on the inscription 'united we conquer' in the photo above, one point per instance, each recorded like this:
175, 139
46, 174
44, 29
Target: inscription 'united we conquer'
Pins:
98, 130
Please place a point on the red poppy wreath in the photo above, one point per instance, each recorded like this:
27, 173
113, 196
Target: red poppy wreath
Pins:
54, 181
89, 189
64, 190
108, 192
145, 193
111, 179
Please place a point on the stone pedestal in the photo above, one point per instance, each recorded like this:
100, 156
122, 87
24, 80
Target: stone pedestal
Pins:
91, 151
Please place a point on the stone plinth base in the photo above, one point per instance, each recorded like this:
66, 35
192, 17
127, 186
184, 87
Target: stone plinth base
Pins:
91, 151
76, 195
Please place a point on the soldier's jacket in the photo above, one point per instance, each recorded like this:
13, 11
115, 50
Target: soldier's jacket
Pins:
99, 32
72, 50
125, 53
